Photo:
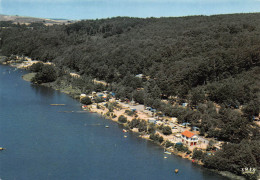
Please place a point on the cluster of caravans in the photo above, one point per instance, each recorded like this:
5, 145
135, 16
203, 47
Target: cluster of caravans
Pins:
105, 95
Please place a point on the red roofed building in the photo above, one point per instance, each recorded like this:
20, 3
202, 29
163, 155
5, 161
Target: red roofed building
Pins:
189, 138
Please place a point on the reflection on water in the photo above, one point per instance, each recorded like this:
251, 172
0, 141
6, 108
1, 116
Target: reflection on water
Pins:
42, 90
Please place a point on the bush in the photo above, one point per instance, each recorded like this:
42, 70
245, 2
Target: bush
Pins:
166, 130
161, 127
182, 148
114, 116
156, 138
197, 154
45, 75
168, 144
134, 123
142, 126
122, 119
36, 67
251, 109
108, 114
86, 100
111, 108
129, 113
126, 126
99, 100
160, 139
151, 128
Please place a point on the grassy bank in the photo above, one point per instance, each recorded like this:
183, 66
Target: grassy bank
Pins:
29, 76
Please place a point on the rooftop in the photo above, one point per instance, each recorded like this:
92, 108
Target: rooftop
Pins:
187, 134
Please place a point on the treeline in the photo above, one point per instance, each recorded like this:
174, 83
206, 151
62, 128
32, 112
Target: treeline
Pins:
178, 54
199, 60
236, 158
190, 59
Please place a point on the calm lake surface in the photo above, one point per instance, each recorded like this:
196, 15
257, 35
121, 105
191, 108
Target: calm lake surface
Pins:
62, 142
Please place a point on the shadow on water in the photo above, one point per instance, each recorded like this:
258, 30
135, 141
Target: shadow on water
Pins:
43, 91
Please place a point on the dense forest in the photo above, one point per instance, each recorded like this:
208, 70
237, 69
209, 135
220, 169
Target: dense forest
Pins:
210, 62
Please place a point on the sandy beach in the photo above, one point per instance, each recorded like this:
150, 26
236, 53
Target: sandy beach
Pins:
102, 110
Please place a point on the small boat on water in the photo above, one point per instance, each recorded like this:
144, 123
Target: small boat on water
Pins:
1, 148
124, 130
125, 136
107, 126
167, 152
85, 108
176, 171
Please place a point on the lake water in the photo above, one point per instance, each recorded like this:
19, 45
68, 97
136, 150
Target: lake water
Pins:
52, 142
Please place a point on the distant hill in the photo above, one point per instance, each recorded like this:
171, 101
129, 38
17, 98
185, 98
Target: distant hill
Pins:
27, 20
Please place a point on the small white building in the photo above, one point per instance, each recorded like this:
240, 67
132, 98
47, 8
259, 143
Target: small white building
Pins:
83, 96
94, 94
189, 138
159, 123
75, 75
139, 75
152, 120
174, 120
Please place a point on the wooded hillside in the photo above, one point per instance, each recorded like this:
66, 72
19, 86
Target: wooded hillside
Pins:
198, 58
202, 60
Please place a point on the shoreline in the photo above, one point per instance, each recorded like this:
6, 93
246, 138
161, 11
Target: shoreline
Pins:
146, 137
102, 112
28, 77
